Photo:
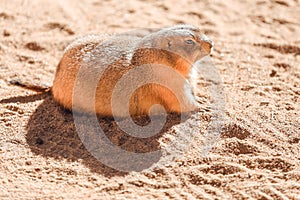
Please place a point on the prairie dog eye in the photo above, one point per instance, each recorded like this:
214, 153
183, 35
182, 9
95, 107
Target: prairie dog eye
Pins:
189, 41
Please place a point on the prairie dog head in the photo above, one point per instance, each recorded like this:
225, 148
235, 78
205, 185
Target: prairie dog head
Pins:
184, 40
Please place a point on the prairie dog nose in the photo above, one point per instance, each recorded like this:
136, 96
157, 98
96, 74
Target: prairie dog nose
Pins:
206, 43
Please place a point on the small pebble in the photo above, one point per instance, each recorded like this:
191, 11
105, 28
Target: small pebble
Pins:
39, 141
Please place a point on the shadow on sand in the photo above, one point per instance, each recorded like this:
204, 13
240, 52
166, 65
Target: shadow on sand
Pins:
51, 132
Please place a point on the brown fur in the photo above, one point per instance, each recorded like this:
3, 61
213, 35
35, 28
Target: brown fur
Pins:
165, 47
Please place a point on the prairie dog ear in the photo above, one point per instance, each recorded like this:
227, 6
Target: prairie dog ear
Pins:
168, 44
163, 43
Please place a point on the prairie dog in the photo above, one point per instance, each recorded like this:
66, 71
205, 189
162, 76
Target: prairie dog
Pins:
176, 47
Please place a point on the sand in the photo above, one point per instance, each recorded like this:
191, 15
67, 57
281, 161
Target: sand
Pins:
255, 155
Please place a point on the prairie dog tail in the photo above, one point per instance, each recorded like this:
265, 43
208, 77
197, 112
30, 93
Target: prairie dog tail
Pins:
30, 86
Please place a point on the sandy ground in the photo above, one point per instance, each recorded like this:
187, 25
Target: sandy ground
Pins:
257, 53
